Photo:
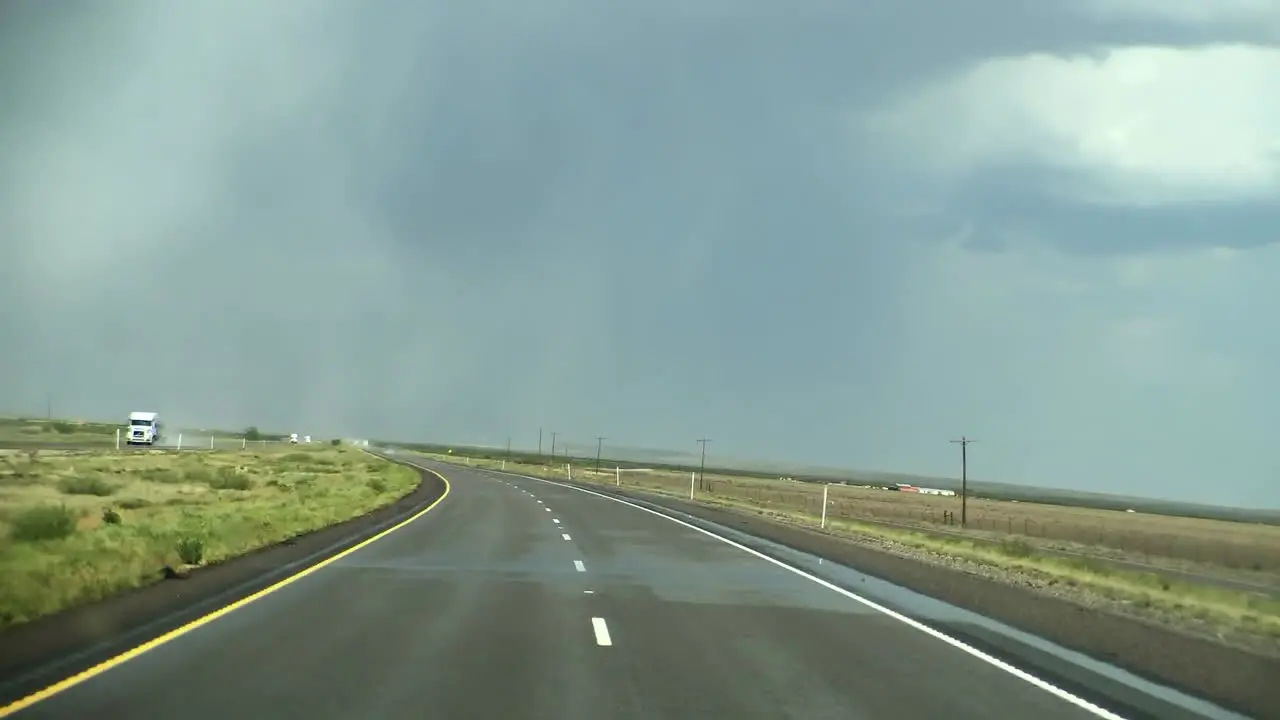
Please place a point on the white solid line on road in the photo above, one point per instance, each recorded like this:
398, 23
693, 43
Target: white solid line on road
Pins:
602, 632
564, 535
977, 654
578, 564
555, 520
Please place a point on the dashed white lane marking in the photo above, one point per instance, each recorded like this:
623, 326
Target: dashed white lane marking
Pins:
578, 564
960, 645
539, 502
588, 592
555, 520
548, 509
602, 632
564, 535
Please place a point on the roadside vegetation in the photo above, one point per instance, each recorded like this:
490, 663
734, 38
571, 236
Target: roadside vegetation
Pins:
79, 526
60, 432
1099, 576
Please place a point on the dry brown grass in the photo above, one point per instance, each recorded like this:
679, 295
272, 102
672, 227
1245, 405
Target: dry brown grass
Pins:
1247, 548
1242, 546
905, 524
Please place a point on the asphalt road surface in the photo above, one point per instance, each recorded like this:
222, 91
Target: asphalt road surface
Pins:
516, 598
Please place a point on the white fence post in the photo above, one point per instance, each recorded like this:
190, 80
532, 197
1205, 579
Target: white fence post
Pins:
117, 438
179, 441
692, 475
824, 505
569, 469
210, 442
617, 476
244, 443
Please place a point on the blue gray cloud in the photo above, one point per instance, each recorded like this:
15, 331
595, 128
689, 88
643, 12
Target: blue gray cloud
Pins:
831, 233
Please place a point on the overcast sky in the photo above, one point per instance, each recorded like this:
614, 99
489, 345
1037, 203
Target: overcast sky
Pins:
835, 232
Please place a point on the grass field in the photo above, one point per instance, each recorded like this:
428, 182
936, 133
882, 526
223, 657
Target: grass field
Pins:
79, 526
63, 432
26, 432
1252, 550
997, 540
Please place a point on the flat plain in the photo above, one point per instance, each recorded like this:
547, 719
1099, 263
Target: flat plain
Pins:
1213, 578
78, 526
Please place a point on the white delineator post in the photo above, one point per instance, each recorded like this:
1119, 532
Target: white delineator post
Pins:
692, 477
210, 442
117, 438
244, 443
568, 469
504, 464
617, 476
179, 441
824, 505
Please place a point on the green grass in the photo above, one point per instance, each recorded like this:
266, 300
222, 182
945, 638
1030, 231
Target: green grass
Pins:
69, 432
1150, 592
78, 527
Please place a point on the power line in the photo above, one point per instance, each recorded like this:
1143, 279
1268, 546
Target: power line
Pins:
964, 476
599, 444
702, 467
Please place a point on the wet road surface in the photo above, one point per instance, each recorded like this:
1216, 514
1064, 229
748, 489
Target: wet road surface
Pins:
517, 598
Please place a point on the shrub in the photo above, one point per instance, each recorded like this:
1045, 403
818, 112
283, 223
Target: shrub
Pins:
378, 485
43, 522
160, 475
191, 550
133, 503
252, 433
335, 442
86, 485
63, 428
228, 479
1017, 548
110, 517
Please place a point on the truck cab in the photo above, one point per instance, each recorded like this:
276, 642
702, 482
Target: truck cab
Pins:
144, 428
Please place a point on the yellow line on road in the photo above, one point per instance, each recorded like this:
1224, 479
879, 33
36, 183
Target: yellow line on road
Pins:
174, 634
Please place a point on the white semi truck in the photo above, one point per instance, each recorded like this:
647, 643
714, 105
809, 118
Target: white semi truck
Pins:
144, 428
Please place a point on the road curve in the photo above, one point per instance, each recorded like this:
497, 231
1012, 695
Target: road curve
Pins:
517, 598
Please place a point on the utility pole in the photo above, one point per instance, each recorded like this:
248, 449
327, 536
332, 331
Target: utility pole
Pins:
539, 443
553, 447
599, 443
48, 406
508, 448
702, 467
964, 477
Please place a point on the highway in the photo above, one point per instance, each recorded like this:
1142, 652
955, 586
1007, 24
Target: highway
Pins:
516, 598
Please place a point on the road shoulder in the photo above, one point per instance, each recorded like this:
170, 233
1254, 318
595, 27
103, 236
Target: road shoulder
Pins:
1234, 678
46, 650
